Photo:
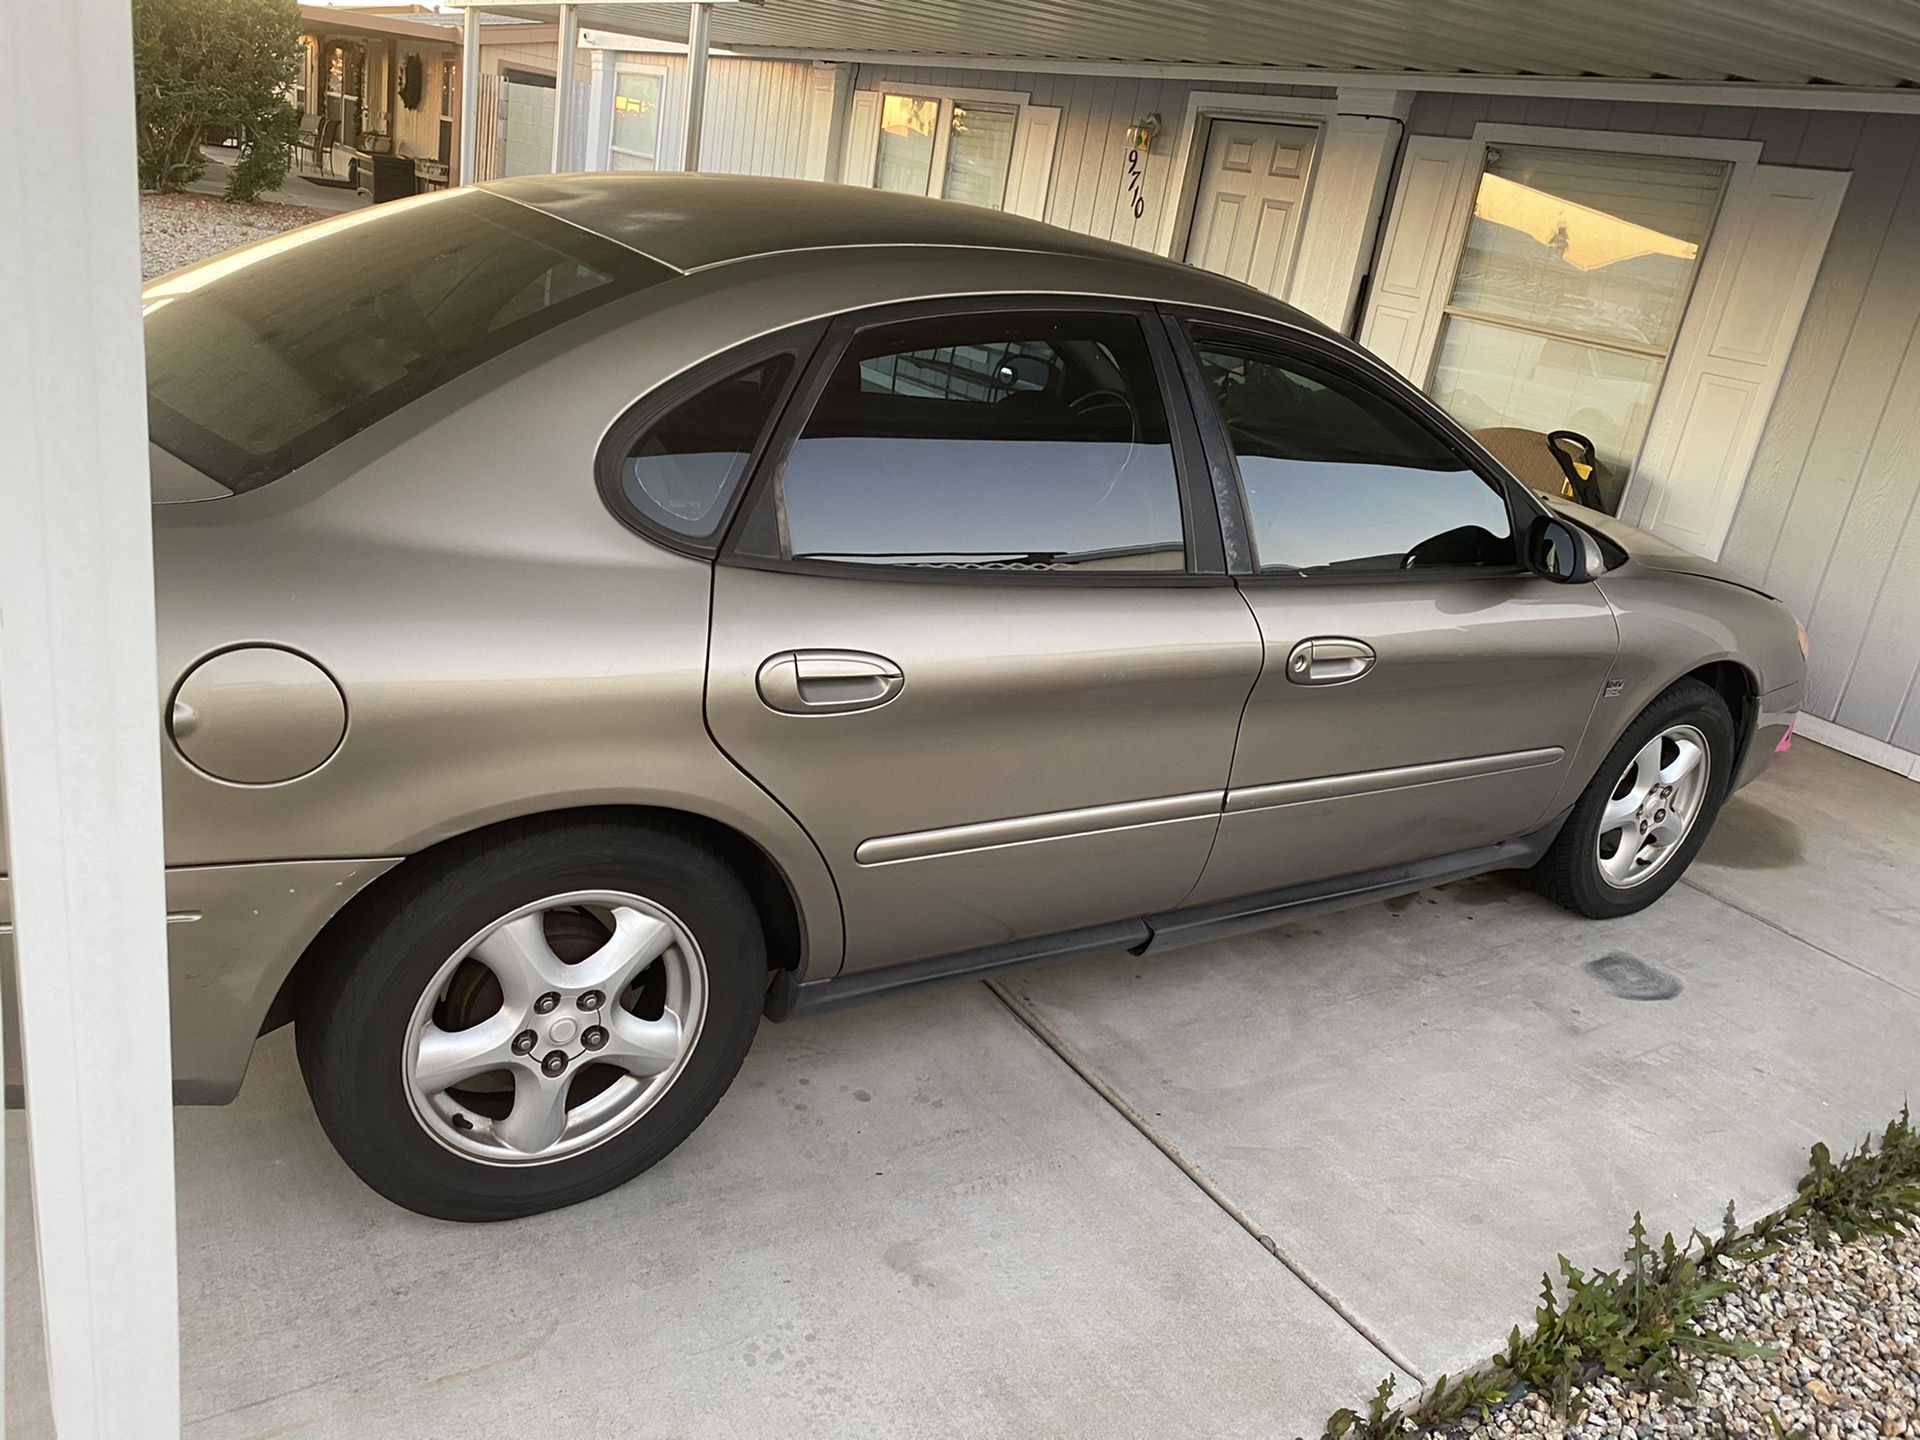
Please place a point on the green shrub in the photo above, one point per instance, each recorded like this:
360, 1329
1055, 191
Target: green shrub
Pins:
211, 67
1638, 1322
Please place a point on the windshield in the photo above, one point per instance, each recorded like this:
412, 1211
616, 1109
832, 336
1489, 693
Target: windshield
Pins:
261, 360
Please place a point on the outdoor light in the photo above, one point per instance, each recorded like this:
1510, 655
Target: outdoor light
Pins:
1140, 137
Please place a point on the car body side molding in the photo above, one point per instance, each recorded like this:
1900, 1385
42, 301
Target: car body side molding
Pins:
1169, 930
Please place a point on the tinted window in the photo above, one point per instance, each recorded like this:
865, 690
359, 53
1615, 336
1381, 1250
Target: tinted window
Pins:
681, 470
1337, 477
1031, 442
259, 361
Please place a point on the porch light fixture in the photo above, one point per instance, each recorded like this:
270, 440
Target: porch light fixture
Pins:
1140, 137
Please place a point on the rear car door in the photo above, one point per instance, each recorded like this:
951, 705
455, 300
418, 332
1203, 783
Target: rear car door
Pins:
1421, 692
972, 628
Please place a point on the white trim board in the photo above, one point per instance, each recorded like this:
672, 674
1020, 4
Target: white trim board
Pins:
1752, 94
1861, 747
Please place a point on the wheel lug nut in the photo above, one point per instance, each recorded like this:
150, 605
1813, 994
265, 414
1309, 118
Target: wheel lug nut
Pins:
594, 1037
546, 1004
524, 1042
592, 1000
555, 1062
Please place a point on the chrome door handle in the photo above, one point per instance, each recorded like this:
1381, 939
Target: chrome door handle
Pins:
1329, 660
827, 682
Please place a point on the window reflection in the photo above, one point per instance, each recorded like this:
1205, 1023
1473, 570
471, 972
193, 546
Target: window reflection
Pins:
1571, 286
906, 143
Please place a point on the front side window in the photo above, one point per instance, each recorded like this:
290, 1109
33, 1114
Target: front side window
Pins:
1338, 478
1009, 442
1568, 298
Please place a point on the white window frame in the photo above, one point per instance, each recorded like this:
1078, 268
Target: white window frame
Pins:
1627, 145
1190, 154
664, 76
948, 96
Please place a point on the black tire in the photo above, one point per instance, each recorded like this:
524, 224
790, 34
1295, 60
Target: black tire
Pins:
357, 1001
1570, 874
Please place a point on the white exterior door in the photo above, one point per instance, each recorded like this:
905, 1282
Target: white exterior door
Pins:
1253, 189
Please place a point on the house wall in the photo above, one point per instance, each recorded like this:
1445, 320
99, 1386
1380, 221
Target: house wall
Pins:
417, 132
1830, 517
1088, 191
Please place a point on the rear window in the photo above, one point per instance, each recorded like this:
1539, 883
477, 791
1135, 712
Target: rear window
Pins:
260, 361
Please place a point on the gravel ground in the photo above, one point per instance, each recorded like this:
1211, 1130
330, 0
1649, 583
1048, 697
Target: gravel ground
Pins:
1844, 1328
177, 230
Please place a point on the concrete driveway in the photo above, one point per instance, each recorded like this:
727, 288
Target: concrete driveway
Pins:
1217, 1193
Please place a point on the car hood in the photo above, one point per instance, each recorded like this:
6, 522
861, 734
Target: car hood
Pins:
1650, 550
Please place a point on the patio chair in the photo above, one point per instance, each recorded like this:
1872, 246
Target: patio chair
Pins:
1560, 462
319, 141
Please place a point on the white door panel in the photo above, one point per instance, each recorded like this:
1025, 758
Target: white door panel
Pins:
1246, 216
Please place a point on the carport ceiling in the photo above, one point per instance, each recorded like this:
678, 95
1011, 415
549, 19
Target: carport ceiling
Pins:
1871, 43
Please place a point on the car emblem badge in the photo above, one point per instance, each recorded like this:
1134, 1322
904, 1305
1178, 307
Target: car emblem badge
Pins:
1614, 687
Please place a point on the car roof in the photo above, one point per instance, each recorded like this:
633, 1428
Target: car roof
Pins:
692, 222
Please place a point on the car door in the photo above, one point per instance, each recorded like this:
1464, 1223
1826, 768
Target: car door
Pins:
972, 627
1421, 692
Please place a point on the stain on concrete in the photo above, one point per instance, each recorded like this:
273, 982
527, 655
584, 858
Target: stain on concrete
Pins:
1628, 977
904, 1257
1748, 836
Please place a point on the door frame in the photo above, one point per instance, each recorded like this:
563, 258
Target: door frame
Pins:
1190, 154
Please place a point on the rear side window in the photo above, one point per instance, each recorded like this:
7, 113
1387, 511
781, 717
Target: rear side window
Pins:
1027, 441
1337, 477
683, 467
260, 361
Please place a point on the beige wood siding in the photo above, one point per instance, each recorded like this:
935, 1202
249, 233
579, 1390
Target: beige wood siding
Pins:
1830, 517
1088, 192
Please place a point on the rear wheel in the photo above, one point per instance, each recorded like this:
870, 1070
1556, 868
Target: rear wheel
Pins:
533, 1019
1638, 825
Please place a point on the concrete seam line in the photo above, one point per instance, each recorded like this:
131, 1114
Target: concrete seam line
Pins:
1098, 1084
1780, 929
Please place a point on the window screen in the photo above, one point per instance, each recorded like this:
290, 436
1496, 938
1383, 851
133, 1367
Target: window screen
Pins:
684, 466
1339, 478
1024, 442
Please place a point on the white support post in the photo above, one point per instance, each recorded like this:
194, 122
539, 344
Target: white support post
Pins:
469, 96
566, 53
80, 724
698, 26
600, 112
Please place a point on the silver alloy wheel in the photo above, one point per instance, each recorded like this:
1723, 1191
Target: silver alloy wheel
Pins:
1653, 806
500, 1088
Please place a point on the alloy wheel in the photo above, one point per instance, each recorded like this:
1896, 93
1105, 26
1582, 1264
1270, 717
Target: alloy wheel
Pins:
555, 1028
1653, 806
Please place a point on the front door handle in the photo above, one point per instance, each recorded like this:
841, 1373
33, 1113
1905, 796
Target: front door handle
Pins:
1329, 660
827, 682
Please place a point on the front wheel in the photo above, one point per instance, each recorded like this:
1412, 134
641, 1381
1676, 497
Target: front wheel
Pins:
1638, 825
530, 1020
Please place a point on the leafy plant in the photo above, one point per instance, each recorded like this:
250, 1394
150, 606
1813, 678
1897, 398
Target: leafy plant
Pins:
206, 67
1638, 1321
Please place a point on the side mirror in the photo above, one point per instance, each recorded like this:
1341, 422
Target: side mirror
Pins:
1555, 551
